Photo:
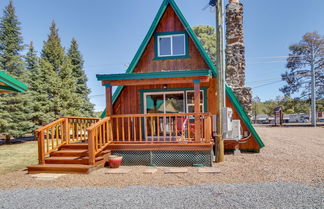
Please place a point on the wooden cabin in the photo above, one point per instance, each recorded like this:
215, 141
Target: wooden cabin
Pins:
160, 114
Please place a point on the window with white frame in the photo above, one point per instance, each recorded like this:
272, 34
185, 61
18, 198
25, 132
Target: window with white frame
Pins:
190, 95
171, 45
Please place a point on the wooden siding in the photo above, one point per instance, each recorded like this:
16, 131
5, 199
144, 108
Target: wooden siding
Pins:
170, 22
128, 101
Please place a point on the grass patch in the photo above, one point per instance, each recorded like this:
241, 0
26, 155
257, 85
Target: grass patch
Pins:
17, 156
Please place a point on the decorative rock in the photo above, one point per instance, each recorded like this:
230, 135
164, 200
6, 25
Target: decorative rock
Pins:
150, 171
176, 170
118, 171
46, 176
208, 170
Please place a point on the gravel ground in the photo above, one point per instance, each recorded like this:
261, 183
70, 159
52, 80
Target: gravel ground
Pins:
249, 195
290, 155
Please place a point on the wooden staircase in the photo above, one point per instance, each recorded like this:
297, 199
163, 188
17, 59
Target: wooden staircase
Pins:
71, 158
72, 145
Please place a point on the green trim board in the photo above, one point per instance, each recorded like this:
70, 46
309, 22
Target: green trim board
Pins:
156, 35
14, 84
152, 75
150, 33
245, 118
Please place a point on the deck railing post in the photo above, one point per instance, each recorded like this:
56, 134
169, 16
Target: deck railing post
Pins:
197, 109
66, 131
91, 148
41, 148
208, 128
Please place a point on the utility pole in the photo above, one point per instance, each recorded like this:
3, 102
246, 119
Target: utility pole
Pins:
313, 95
220, 79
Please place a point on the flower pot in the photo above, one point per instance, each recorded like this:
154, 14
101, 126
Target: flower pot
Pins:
115, 161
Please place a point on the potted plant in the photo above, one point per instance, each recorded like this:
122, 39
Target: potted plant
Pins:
115, 161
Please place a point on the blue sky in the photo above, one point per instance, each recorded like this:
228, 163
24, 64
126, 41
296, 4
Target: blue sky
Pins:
110, 32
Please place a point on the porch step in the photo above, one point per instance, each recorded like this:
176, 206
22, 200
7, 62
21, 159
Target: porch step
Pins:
70, 153
74, 146
71, 160
62, 168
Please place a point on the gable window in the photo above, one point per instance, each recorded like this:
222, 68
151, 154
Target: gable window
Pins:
171, 45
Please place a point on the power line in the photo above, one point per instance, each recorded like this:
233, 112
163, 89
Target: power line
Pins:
267, 84
279, 57
267, 62
260, 81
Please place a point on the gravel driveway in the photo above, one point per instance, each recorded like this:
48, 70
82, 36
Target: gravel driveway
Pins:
249, 195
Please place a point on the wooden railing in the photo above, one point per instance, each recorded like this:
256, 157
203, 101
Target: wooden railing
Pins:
161, 128
100, 136
77, 127
62, 131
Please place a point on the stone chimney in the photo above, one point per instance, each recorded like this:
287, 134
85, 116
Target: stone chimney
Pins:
235, 54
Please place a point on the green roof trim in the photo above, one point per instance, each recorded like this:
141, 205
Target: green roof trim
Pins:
243, 115
11, 84
152, 75
150, 33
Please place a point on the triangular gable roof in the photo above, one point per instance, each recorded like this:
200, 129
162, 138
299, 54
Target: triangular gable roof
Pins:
245, 118
204, 54
11, 84
150, 33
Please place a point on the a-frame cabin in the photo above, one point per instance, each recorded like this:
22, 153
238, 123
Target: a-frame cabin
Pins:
161, 112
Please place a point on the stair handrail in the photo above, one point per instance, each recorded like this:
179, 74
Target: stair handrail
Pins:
99, 137
57, 134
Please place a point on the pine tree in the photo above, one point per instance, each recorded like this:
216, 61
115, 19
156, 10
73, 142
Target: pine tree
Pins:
37, 88
11, 42
58, 80
14, 108
81, 86
52, 51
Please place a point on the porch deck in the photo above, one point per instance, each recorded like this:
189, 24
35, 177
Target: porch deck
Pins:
80, 145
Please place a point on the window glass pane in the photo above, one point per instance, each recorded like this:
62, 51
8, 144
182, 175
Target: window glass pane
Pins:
191, 108
174, 103
178, 45
154, 104
190, 97
165, 46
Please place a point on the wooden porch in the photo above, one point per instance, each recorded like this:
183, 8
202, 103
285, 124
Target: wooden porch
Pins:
80, 145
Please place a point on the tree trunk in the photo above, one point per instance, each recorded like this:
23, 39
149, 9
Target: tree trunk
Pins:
8, 139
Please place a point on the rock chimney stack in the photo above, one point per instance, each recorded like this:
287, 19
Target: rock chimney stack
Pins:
235, 54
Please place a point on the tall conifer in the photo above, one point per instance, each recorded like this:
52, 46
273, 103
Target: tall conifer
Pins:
14, 108
82, 89
61, 84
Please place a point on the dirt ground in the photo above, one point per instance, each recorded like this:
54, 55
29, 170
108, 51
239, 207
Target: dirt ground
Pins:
291, 154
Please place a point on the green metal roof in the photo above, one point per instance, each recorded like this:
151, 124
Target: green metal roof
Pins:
11, 84
152, 75
243, 115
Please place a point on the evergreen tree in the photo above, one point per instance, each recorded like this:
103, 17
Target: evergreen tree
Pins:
52, 51
11, 42
60, 84
303, 55
14, 108
38, 88
81, 86
31, 59
207, 36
